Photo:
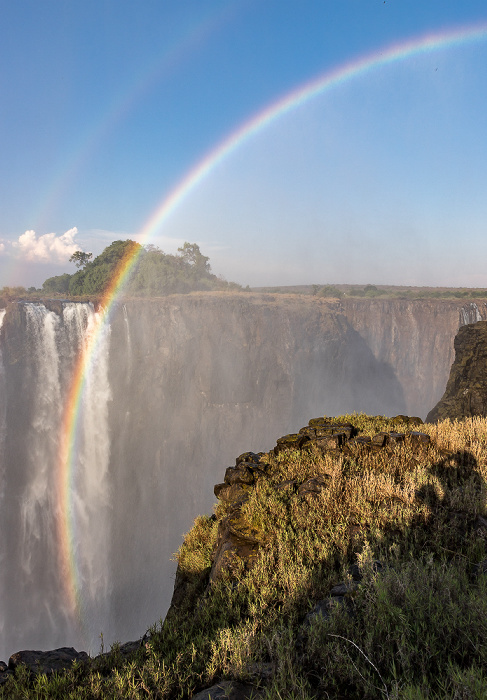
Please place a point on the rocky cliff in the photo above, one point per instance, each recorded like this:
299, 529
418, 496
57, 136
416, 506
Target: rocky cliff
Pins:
466, 391
414, 338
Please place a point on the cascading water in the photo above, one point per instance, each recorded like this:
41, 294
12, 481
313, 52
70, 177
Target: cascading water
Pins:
2, 403
470, 313
36, 609
89, 488
128, 340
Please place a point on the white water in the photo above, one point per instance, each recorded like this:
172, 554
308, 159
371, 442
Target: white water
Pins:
470, 313
91, 492
2, 402
33, 591
129, 341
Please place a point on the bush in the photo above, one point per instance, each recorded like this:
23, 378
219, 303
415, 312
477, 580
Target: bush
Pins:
57, 285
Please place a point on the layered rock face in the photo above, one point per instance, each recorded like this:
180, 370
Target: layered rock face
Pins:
466, 391
415, 339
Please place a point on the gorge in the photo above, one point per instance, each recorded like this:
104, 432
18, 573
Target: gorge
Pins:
178, 387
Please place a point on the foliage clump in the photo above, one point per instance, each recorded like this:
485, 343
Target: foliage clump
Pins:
412, 627
153, 273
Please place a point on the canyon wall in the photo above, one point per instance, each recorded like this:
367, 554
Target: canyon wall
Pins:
466, 390
414, 338
177, 387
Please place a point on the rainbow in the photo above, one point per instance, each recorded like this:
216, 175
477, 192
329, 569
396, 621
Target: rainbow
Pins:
317, 86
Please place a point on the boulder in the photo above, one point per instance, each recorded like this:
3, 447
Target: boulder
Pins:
47, 661
237, 544
380, 440
294, 441
239, 475
314, 486
228, 690
419, 439
230, 494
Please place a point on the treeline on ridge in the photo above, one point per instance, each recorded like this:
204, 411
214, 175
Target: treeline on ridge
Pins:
154, 272
371, 291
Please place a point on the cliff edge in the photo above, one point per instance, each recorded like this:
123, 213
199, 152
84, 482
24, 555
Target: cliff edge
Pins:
466, 390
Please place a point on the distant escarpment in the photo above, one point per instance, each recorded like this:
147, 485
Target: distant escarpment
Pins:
466, 391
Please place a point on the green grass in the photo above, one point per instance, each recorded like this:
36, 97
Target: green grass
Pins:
416, 629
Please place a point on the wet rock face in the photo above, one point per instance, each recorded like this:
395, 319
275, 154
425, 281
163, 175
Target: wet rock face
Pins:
466, 391
415, 338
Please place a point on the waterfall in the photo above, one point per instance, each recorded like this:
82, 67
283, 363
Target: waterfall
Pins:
470, 313
91, 497
2, 402
36, 610
128, 340
37, 589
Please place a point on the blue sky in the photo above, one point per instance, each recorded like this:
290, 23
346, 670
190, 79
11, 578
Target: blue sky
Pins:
107, 105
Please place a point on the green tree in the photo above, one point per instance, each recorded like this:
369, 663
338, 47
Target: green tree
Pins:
190, 253
329, 291
57, 285
154, 273
97, 275
80, 259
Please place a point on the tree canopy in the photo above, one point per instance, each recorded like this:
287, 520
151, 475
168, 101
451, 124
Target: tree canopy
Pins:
80, 258
154, 272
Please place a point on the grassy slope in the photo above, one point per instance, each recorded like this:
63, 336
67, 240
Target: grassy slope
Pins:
417, 629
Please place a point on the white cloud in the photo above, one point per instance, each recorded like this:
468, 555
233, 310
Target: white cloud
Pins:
2, 247
47, 248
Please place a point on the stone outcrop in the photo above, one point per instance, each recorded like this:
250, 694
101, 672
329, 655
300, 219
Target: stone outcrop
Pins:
229, 690
60, 660
466, 390
47, 662
238, 541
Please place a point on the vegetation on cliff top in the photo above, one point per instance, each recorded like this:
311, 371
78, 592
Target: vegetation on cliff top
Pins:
372, 291
413, 626
154, 273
